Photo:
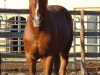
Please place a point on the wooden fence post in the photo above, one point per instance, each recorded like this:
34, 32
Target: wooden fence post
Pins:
82, 44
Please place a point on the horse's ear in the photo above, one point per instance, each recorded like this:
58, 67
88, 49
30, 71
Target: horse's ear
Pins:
32, 6
46, 3
43, 4
32, 3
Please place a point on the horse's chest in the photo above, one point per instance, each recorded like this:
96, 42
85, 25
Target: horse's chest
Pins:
41, 43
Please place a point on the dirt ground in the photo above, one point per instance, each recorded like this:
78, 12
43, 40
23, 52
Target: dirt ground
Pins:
92, 68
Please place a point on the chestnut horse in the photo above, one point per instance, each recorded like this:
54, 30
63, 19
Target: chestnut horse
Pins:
47, 35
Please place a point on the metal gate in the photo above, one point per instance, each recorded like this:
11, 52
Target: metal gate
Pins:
12, 25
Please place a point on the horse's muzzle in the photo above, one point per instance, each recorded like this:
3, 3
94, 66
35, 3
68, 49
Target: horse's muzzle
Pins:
36, 20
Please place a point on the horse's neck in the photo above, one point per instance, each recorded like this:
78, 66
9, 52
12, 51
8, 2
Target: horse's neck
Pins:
32, 6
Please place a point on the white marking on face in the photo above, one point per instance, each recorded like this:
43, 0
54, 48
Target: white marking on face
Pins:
36, 11
36, 18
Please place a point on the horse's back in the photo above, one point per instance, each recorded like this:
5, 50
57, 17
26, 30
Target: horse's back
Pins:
60, 17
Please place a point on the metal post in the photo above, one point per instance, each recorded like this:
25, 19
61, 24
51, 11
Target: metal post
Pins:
0, 63
82, 44
74, 41
1, 18
19, 39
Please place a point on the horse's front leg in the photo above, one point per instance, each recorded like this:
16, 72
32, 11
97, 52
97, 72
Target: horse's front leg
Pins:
31, 64
48, 62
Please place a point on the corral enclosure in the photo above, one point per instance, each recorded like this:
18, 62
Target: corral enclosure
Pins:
12, 24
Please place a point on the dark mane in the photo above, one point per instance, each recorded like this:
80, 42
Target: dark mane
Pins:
43, 5
42, 11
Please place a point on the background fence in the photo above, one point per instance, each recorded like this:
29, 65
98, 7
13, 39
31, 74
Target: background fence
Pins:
12, 24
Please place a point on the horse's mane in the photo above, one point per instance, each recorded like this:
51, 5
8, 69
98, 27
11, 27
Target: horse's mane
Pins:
42, 10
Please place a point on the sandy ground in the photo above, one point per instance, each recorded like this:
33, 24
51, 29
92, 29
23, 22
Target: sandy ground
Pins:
92, 68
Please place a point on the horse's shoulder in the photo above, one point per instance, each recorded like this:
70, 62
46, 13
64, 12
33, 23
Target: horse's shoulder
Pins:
55, 8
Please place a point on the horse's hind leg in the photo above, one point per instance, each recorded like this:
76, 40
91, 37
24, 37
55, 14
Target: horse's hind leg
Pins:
31, 64
64, 62
56, 64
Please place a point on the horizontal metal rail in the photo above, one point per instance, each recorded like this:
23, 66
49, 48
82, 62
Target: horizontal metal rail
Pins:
20, 34
12, 55
25, 21
11, 35
11, 45
13, 61
87, 21
70, 61
20, 55
12, 21
26, 11
88, 45
10, 29
87, 33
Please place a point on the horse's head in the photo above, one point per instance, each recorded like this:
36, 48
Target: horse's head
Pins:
37, 10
